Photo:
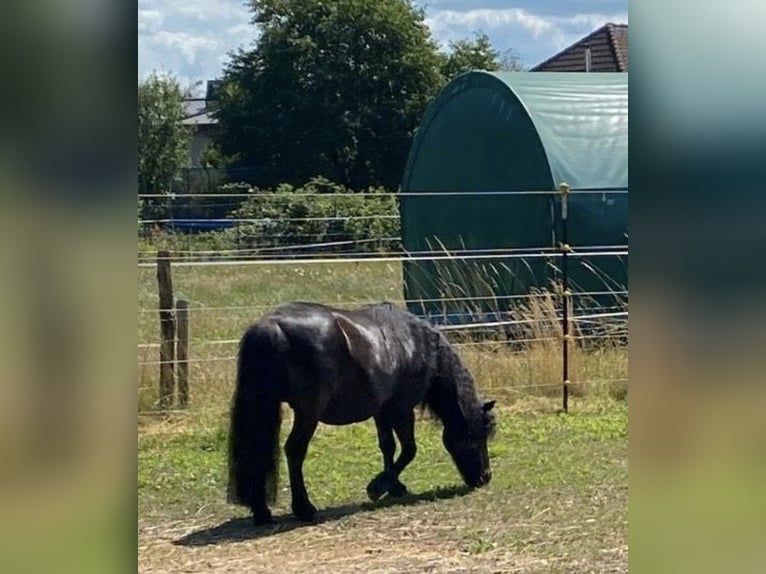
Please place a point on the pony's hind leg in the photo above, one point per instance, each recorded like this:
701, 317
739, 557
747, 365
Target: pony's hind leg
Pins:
261, 512
295, 450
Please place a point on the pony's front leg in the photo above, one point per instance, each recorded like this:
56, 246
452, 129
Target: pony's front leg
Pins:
404, 427
295, 451
382, 482
388, 480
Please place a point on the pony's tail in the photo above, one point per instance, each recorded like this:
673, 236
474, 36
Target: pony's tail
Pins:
256, 419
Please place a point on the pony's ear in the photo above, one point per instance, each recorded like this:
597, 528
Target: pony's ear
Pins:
358, 343
486, 407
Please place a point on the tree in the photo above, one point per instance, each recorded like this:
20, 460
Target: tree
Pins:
509, 61
333, 88
477, 54
467, 55
163, 139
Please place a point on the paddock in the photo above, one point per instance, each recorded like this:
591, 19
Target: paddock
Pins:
557, 501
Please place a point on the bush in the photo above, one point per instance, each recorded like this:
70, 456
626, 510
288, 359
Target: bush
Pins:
319, 217
319, 213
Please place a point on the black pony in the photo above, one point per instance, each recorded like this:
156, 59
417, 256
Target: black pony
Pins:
342, 367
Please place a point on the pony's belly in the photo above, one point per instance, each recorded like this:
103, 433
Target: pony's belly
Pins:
344, 410
347, 412
344, 418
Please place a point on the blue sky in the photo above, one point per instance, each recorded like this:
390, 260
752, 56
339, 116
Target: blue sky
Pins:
191, 38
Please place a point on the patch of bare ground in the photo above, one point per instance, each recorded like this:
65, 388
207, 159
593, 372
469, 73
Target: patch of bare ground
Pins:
568, 533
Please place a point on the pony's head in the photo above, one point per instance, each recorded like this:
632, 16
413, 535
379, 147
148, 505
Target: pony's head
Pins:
468, 421
468, 445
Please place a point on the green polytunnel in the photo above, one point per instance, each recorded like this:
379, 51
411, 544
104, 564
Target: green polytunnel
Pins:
491, 149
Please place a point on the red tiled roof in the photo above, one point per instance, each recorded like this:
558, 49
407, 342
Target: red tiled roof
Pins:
608, 49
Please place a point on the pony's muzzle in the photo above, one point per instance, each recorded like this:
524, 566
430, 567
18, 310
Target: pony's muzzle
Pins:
482, 480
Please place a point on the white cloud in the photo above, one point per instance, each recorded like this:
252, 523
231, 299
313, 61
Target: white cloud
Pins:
202, 10
592, 21
534, 36
487, 18
536, 25
149, 22
190, 38
567, 31
244, 31
191, 47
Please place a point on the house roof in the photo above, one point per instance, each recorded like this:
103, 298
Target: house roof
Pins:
608, 47
197, 112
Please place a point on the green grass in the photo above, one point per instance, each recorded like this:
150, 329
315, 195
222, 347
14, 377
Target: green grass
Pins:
179, 472
559, 485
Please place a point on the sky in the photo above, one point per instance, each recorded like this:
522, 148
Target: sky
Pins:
192, 38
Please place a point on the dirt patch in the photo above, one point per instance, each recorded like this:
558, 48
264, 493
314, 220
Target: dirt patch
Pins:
380, 542
323, 549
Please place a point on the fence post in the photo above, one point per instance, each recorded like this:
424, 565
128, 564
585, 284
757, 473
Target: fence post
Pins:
182, 351
167, 329
565, 295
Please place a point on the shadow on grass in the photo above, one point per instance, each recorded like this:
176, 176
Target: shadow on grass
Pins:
240, 529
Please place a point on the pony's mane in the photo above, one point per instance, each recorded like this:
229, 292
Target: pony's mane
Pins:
452, 397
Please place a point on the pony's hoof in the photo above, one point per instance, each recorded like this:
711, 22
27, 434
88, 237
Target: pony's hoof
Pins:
306, 513
397, 489
378, 487
261, 518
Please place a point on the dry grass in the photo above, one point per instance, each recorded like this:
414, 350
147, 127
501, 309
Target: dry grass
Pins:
225, 300
392, 540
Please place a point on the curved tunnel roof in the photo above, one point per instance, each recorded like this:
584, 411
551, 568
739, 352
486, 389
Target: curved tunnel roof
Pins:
523, 131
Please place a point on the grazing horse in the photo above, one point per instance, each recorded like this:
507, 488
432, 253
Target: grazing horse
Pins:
341, 367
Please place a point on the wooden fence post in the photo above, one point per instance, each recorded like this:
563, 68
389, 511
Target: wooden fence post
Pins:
182, 351
167, 329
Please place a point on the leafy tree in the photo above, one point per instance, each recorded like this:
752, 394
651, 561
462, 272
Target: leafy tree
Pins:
212, 157
333, 88
163, 139
476, 54
467, 55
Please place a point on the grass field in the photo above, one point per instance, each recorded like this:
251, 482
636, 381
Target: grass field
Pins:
225, 300
557, 501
